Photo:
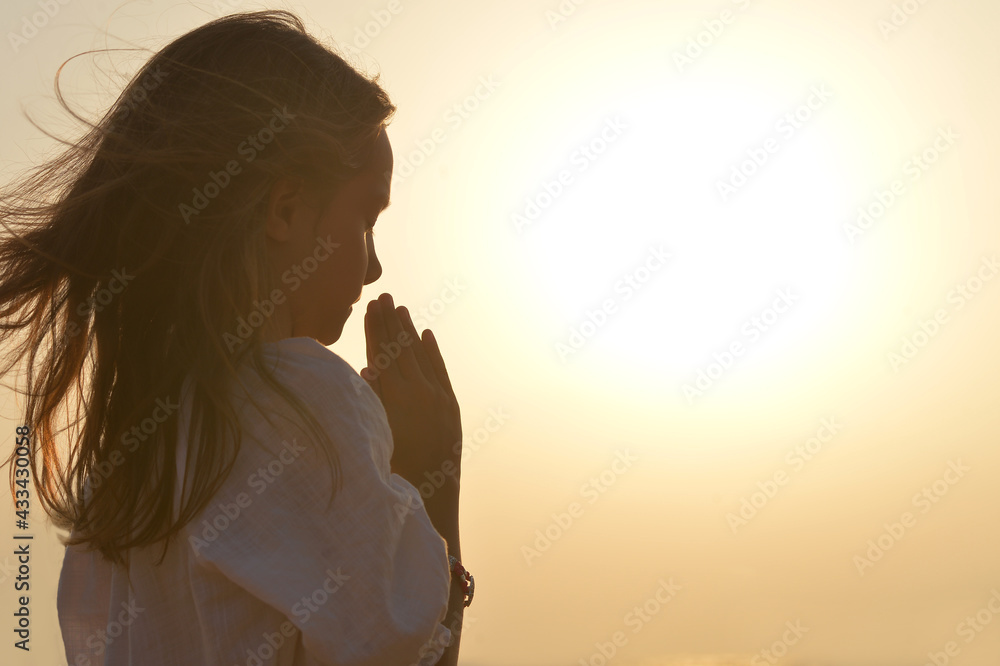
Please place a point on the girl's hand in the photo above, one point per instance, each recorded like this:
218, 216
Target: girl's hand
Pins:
409, 376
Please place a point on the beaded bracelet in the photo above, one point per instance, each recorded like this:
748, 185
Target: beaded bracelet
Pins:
464, 577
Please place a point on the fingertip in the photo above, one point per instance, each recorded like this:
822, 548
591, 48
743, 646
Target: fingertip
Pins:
408, 322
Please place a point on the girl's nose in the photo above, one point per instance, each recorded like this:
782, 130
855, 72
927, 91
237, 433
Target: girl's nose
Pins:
374, 269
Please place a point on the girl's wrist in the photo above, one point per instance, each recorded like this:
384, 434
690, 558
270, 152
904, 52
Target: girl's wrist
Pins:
443, 511
441, 497
442, 508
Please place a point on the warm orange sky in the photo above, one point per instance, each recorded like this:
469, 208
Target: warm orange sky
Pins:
711, 408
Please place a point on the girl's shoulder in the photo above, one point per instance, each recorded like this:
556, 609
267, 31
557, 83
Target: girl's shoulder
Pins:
304, 365
268, 394
305, 352
335, 396
326, 384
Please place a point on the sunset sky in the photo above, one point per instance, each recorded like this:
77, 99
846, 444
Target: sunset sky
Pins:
717, 285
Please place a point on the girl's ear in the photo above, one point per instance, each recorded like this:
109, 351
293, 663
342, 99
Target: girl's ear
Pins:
284, 205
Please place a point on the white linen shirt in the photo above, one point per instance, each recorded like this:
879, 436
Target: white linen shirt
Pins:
265, 574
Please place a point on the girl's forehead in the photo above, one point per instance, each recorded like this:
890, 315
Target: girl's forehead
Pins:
381, 161
382, 153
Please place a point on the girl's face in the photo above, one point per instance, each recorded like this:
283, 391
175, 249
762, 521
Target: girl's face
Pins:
322, 259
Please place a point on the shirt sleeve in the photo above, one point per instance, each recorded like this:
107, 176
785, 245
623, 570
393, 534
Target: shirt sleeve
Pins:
366, 578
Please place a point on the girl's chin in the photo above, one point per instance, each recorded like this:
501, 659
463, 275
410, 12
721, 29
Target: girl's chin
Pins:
333, 330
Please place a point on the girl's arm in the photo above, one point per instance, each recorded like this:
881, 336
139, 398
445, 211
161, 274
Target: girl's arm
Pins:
426, 424
442, 507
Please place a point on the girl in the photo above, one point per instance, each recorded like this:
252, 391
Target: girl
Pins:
235, 492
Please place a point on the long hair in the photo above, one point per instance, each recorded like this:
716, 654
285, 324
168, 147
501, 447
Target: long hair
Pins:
131, 256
